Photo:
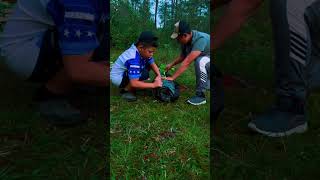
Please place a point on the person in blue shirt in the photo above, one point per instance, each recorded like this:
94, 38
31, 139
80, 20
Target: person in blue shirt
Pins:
58, 44
132, 67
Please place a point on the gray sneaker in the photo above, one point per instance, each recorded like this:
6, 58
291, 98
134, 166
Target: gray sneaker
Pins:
285, 118
277, 123
128, 96
59, 112
197, 100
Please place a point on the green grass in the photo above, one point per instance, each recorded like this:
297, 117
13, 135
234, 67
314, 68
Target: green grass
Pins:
32, 149
155, 140
240, 154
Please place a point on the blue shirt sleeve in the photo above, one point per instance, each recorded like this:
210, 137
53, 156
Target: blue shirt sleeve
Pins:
77, 23
133, 66
151, 61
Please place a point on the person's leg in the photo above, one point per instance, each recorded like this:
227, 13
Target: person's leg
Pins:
52, 96
312, 17
126, 90
292, 54
202, 71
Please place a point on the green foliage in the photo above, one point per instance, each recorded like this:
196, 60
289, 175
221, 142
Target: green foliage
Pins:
130, 17
126, 24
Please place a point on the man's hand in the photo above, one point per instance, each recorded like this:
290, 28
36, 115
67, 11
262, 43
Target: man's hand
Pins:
186, 62
157, 83
168, 67
158, 78
170, 79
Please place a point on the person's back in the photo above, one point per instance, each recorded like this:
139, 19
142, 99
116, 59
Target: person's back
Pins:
121, 64
28, 19
200, 41
22, 35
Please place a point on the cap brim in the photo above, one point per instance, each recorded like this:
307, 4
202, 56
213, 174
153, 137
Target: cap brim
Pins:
174, 35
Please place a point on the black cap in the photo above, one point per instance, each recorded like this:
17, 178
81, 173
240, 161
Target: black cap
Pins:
147, 37
181, 27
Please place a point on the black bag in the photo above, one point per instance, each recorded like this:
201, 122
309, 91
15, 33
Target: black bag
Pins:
169, 92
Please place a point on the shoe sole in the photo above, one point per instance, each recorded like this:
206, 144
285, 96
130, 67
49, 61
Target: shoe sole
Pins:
63, 122
130, 100
197, 104
299, 129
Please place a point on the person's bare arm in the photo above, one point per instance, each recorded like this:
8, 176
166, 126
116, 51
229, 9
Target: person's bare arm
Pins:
185, 64
230, 23
176, 61
81, 70
135, 83
156, 70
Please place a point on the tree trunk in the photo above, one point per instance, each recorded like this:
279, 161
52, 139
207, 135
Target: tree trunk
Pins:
165, 14
156, 13
173, 10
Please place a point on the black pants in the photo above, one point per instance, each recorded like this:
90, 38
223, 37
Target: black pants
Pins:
125, 80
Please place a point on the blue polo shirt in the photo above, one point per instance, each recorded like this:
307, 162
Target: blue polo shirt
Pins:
131, 62
75, 20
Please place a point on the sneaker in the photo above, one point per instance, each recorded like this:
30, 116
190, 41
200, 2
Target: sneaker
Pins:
197, 100
128, 96
280, 121
60, 113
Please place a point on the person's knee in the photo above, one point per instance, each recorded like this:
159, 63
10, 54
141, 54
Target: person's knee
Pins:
202, 63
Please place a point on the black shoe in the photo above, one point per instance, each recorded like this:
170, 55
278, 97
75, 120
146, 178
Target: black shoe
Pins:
59, 112
56, 109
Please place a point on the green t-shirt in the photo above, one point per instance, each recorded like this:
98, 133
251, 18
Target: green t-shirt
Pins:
200, 42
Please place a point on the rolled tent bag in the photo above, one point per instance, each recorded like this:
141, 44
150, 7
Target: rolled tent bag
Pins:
169, 92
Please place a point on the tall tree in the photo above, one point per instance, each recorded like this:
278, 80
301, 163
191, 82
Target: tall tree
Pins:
156, 13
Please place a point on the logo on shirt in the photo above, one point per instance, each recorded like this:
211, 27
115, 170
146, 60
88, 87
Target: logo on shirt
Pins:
79, 15
134, 66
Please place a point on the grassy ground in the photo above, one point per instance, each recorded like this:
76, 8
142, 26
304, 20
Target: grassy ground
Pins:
32, 149
240, 154
154, 140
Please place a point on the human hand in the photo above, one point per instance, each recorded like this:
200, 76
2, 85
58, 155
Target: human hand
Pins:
158, 78
169, 78
157, 83
168, 67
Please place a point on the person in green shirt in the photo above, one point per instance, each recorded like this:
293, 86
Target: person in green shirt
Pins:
195, 47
